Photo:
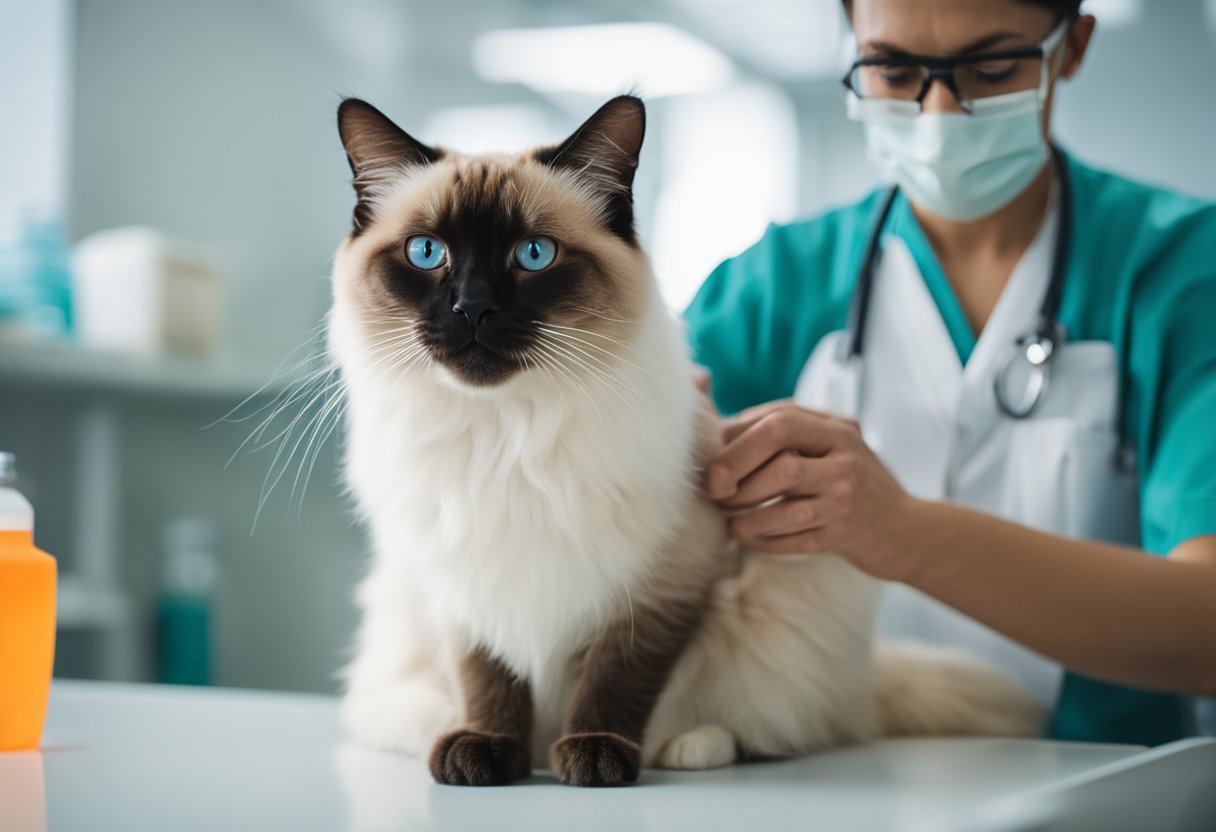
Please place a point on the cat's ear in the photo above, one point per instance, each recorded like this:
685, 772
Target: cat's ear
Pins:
377, 150
604, 151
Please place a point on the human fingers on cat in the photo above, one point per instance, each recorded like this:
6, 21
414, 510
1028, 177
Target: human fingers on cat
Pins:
855, 507
784, 428
788, 474
791, 516
744, 419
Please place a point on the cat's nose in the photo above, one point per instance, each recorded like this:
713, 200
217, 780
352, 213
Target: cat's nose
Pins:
475, 306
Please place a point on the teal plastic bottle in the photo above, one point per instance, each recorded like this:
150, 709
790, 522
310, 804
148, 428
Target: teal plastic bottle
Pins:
35, 276
184, 613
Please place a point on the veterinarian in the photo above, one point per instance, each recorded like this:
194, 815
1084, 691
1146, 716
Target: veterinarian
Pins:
992, 384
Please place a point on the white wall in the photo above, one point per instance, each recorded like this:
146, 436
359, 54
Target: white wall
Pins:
1144, 103
215, 121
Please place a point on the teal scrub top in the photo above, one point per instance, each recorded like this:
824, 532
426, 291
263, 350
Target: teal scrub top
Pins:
1141, 274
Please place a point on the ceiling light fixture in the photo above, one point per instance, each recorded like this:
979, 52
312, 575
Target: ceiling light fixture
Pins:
655, 58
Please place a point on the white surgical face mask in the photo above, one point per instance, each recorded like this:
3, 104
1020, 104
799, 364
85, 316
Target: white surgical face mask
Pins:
957, 165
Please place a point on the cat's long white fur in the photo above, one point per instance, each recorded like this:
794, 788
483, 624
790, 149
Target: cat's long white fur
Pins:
521, 520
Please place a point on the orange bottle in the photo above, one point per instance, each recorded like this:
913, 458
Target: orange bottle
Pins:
27, 619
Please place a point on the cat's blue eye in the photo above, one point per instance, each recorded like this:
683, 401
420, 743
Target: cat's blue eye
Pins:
425, 252
535, 253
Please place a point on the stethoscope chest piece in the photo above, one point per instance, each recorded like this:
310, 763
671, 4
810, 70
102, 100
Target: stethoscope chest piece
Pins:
1022, 381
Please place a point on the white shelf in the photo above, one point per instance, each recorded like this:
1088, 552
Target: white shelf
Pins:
88, 605
83, 607
60, 364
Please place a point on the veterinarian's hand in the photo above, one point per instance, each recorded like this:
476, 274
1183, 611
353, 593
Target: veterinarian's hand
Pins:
835, 495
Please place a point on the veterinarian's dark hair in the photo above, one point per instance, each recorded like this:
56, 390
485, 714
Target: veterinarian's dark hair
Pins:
1062, 8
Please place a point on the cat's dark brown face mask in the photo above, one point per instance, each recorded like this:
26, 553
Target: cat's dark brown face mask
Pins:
486, 258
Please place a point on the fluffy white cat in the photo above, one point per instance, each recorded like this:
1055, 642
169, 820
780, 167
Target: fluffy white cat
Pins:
525, 445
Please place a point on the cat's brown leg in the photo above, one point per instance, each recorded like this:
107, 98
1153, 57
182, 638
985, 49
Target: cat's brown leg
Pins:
620, 679
494, 748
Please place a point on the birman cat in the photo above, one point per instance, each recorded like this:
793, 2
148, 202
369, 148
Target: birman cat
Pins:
525, 443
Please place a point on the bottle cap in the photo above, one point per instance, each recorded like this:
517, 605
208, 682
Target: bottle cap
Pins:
16, 513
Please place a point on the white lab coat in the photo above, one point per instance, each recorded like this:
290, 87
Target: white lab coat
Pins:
936, 426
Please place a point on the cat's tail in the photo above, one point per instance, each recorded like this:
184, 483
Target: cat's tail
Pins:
930, 690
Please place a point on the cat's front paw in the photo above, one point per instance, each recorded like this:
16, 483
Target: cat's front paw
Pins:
469, 758
595, 760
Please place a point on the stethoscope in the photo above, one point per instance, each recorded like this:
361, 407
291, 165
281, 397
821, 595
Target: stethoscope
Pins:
1032, 354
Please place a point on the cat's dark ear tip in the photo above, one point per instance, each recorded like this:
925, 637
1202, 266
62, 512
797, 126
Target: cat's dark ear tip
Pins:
628, 99
350, 106
628, 108
351, 102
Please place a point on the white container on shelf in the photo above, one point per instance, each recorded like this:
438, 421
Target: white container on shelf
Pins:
138, 290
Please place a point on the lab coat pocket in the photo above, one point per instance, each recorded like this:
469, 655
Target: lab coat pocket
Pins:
1084, 386
1062, 478
1103, 498
1034, 488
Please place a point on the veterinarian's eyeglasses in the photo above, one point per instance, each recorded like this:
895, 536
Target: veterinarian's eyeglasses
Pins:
970, 77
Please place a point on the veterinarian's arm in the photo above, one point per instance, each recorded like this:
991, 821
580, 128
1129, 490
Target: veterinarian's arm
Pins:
1103, 610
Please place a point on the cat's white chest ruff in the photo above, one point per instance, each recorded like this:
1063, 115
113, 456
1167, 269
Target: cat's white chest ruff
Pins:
526, 537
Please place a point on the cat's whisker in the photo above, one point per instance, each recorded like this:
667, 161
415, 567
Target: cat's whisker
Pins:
335, 421
286, 391
553, 359
594, 371
610, 373
405, 327
292, 395
323, 402
605, 382
279, 405
317, 422
595, 334
309, 341
334, 403
567, 337
303, 390
388, 358
612, 429
547, 364
559, 331
614, 371
409, 351
271, 479
389, 344
387, 318
543, 364
600, 315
